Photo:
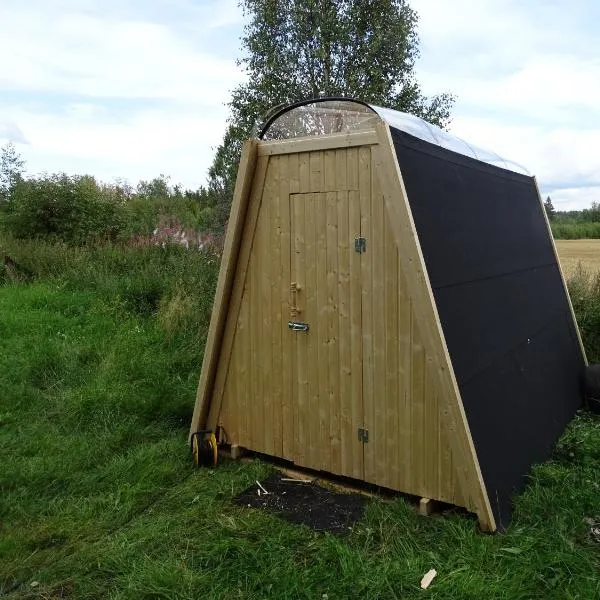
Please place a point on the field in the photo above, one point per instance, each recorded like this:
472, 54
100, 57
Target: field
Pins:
575, 252
99, 358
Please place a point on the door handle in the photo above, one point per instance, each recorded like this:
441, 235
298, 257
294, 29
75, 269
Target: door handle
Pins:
294, 310
295, 326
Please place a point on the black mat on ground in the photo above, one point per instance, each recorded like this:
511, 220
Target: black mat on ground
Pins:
306, 503
502, 305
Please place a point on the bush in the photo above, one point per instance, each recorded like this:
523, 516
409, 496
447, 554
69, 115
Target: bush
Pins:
576, 231
74, 210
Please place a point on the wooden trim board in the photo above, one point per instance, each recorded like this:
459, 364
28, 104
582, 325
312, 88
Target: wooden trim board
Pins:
313, 143
227, 271
385, 165
237, 290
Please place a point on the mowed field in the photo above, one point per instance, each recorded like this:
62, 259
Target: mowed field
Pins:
573, 252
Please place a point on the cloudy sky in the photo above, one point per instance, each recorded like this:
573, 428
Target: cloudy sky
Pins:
133, 88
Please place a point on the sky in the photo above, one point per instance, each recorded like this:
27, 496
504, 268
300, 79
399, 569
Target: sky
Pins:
130, 89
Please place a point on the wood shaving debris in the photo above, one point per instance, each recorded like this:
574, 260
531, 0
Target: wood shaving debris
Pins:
261, 487
428, 578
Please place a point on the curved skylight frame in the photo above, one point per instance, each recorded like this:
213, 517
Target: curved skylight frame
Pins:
408, 123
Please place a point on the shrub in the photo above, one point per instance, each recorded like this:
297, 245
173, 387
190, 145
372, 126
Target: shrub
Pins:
74, 210
576, 231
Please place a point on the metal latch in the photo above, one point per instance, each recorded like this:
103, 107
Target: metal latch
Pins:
360, 245
295, 326
363, 435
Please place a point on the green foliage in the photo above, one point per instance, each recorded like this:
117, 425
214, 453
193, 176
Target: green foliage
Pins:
575, 230
11, 171
303, 49
577, 224
77, 210
154, 201
71, 209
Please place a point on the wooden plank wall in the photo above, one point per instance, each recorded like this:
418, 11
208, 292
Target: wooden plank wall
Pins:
363, 364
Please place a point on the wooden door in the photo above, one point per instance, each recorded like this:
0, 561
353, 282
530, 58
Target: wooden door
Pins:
325, 296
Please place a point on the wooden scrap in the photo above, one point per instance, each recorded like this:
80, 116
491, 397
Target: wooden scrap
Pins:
428, 578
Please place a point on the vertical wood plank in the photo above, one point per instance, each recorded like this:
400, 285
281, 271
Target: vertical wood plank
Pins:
341, 167
308, 295
256, 410
330, 171
352, 167
405, 426
356, 347
317, 174
347, 425
304, 172
366, 278
322, 336
243, 363
279, 303
417, 408
265, 365
393, 402
301, 398
287, 339
302, 434
379, 459
447, 480
333, 338
294, 170
431, 432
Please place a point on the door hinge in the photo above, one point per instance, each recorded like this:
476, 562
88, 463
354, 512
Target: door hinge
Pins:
360, 245
363, 435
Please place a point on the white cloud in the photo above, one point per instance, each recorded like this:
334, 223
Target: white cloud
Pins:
95, 56
115, 89
11, 132
84, 138
566, 198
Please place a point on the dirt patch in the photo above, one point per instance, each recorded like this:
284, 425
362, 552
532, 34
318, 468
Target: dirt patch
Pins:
306, 504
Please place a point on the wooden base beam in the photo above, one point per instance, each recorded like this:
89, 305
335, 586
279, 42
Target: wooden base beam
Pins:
426, 507
236, 452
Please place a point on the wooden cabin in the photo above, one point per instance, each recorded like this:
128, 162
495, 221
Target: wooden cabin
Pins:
390, 308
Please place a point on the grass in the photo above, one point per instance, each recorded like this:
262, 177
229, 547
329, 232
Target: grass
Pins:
98, 499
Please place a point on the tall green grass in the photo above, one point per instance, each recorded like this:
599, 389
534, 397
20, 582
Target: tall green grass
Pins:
170, 283
584, 289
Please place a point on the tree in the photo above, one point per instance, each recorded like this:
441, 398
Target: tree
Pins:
11, 170
301, 49
550, 211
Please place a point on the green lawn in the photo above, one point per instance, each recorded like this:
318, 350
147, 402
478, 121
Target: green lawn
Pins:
98, 498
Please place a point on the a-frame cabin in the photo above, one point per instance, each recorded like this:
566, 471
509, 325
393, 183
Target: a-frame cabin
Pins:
390, 308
